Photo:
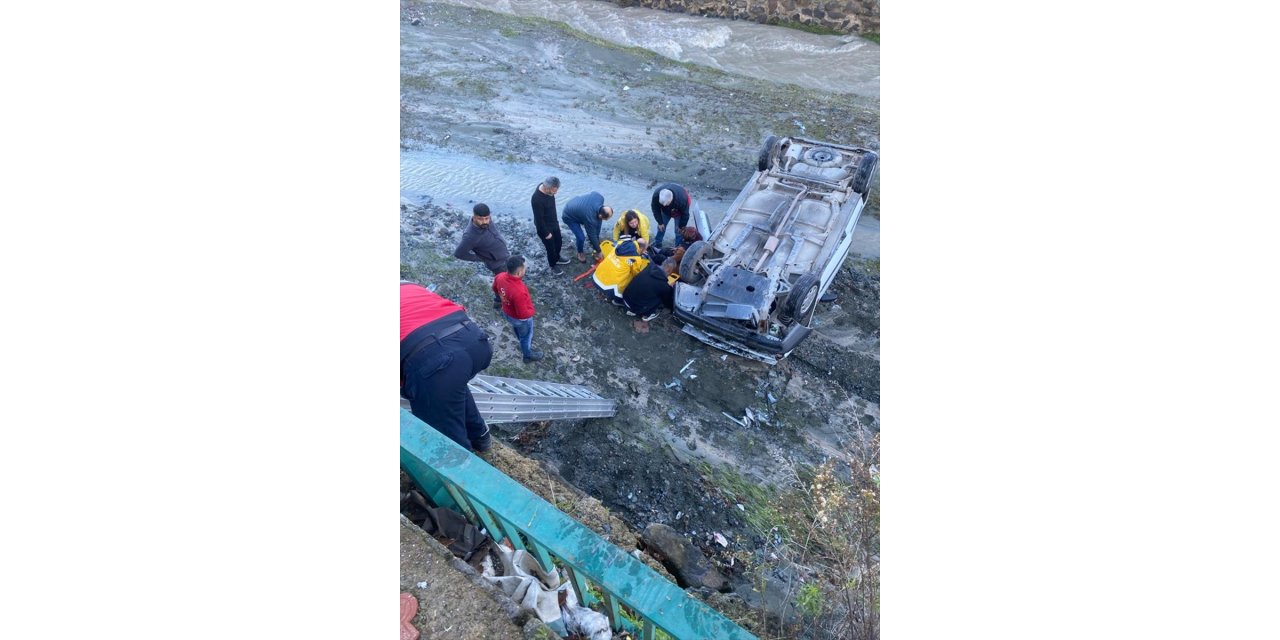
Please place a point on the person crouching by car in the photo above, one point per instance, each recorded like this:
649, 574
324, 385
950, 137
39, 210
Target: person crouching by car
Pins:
632, 223
650, 290
517, 305
615, 271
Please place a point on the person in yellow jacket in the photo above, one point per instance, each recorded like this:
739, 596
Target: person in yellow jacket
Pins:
615, 271
631, 223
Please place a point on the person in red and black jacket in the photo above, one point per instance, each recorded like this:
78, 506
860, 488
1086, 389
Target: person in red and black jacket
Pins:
441, 349
517, 305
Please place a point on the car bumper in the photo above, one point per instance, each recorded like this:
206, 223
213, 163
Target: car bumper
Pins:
731, 332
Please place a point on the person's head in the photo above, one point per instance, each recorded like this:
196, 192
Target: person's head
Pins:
480, 215
515, 265
691, 234
665, 197
551, 185
670, 265
605, 212
633, 219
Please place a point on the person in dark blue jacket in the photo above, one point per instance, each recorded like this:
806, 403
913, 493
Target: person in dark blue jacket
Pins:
583, 215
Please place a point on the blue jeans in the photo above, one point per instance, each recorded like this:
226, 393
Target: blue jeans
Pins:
579, 235
672, 222
524, 333
583, 233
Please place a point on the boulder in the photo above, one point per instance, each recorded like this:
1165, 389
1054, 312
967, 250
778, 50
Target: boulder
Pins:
685, 561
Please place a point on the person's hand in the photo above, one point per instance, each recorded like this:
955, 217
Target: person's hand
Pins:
662, 227
548, 237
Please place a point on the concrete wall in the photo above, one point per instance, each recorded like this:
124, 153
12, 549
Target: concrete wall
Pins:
848, 16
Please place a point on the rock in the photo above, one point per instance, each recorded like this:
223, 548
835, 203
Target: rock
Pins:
685, 561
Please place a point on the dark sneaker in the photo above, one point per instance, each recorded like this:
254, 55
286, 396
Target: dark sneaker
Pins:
827, 297
533, 357
631, 313
562, 261
616, 302
483, 443
557, 270
650, 316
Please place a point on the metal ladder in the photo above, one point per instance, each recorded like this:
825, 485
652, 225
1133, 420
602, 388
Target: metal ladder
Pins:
511, 400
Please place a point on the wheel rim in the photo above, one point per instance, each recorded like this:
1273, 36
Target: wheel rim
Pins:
807, 302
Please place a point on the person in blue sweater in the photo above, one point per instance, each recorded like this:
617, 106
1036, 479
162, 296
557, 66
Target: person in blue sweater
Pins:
583, 215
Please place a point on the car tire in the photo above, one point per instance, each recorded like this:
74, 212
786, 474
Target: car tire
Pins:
803, 299
823, 157
866, 169
768, 152
689, 272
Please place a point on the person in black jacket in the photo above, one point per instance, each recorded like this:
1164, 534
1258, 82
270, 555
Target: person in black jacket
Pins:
482, 243
545, 222
650, 290
670, 204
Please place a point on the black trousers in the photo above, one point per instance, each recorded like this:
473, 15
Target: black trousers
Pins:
553, 246
435, 382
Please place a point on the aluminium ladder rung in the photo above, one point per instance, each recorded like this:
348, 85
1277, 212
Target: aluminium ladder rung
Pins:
513, 400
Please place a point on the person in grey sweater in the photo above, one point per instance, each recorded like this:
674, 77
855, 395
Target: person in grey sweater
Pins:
482, 243
583, 215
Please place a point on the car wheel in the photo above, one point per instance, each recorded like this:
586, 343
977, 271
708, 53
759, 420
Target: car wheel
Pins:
768, 152
803, 298
866, 169
689, 271
823, 157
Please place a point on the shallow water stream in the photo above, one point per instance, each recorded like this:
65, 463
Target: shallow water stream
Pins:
840, 63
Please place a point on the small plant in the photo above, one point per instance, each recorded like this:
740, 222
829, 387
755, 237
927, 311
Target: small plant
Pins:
809, 600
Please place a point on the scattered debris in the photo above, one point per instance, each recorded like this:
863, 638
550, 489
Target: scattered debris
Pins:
720, 539
741, 508
422, 585
735, 420
686, 365
408, 609
772, 400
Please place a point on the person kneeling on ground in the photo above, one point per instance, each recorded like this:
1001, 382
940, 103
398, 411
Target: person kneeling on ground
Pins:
615, 271
517, 305
632, 223
650, 290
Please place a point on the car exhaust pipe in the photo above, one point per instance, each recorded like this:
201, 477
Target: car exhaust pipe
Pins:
700, 221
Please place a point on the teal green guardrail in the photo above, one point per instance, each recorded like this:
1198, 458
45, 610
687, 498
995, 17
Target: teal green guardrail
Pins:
631, 591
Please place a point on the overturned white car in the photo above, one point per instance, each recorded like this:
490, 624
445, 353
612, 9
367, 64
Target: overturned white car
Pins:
752, 287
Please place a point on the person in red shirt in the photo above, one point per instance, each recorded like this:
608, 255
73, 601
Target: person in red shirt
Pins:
441, 349
517, 305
